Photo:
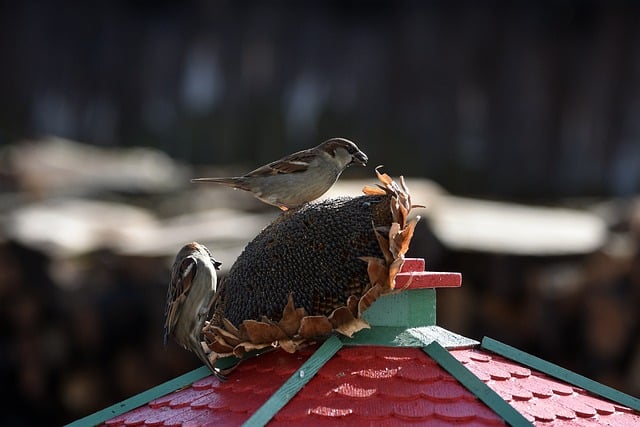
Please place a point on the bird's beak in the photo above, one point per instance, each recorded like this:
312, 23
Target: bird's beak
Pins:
359, 158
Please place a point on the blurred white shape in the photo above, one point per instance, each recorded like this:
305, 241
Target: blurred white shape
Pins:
225, 232
69, 227
202, 81
60, 166
480, 225
66, 228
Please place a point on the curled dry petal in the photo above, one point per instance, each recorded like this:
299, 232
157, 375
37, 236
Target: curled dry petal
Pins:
291, 346
341, 316
394, 269
373, 191
290, 322
220, 347
345, 322
383, 241
377, 270
369, 298
261, 332
352, 304
231, 338
395, 240
314, 326
384, 178
404, 187
230, 328
240, 350
349, 329
406, 235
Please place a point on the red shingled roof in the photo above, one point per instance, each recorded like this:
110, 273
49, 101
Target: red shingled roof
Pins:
377, 385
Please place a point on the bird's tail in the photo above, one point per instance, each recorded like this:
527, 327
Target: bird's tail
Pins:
235, 182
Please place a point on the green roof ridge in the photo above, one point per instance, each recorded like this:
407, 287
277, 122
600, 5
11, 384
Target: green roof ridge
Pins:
142, 398
472, 383
561, 373
295, 382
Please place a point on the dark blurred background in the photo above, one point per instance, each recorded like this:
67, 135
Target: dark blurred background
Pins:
534, 102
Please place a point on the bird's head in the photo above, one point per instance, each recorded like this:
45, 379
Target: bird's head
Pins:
344, 151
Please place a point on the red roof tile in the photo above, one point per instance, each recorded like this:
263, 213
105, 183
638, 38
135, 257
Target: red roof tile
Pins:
361, 385
543, 400
379, 385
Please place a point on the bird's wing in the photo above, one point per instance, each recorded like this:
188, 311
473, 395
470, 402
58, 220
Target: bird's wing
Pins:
179, 287
293, 163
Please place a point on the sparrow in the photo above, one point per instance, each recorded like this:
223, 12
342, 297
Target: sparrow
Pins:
299, 177
191, 292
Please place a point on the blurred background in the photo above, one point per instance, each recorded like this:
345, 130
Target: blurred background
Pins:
516, 123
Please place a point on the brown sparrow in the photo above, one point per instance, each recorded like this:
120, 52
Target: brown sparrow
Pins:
189, 298
299, 177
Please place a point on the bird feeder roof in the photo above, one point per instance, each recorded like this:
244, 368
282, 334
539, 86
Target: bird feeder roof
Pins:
366, 385
387, 375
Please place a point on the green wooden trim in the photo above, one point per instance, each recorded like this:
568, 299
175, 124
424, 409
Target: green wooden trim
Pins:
293, 385
142, 398
422, 307
560, 373
407, 309
482, 391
